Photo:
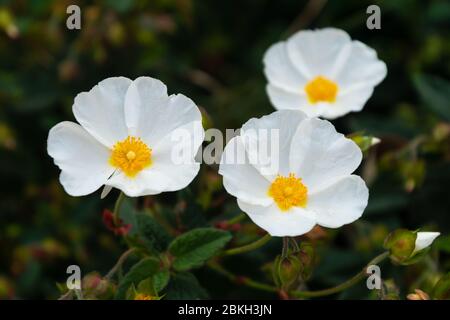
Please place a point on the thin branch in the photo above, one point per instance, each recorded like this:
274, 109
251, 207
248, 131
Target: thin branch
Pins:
119, 263
249, 247
307, 15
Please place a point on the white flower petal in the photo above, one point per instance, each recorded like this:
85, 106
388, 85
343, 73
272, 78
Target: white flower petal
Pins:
353, 100
101, 110
282, 99
146, 182
315, 52
240, 178
340, 203
320, 155
82, 159
425, 239
361, 68
277, 223
280, 71
174, 155
145, 102
268, 141
152, 115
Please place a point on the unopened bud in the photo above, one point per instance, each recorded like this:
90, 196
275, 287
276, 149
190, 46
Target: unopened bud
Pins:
408, 247
306, 256
94, 286
401, 244
287, 271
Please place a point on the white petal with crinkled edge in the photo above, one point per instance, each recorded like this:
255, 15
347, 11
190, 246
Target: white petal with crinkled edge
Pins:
82, 159
268, 141
315, 52
282, 99
145, 101
425, 239
101, 110
277, 223
151, 114
320, 155
280, 71
146, 182
174, 155
353, 100
361, 68
340, 203
240, 178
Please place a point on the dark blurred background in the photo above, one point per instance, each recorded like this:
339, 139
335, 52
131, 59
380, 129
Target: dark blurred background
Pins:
212, 52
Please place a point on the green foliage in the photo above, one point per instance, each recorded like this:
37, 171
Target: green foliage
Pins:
155, 238
193, 248
185, 286
442, 288
435, 94
205, 51
142, 270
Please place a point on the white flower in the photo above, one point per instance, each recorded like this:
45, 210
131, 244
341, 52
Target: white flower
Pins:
126, 139
322, 73
424, 240
312, 183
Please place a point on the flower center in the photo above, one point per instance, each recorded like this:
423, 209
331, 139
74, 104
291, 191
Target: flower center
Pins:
288, 192
131, 156
320, 89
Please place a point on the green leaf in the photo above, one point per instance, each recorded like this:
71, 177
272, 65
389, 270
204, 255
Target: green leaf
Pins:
441, 290
435, 93
443, 243
160, 280
152, 233
185, 286
140, 271
193, 248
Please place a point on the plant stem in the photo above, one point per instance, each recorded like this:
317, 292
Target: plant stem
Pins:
116, 213
345, 285
242, 280
237, 218
67, 296
119, 263
298, 294
285, 249
248, 247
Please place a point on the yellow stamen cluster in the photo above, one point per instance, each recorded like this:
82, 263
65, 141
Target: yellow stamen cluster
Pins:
131, 156
320, 89
288, 192
143, 296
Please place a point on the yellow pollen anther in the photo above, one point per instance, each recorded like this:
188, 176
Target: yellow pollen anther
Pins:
288, 192
131, 156
321, 89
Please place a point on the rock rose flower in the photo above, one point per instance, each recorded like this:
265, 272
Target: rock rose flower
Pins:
311, 182
127, 139
322, 73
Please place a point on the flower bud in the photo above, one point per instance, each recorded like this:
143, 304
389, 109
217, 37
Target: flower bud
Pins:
94, 286
306, 256
287, 271
407, 247
401, 244
441, 290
